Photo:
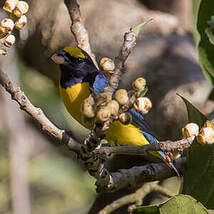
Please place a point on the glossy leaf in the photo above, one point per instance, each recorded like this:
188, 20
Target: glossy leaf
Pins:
194, 115
184, 204
178, 204
199, 171
203, 10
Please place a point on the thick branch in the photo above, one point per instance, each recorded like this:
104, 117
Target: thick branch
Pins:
138, 175
165, 146
18, 95
180, 145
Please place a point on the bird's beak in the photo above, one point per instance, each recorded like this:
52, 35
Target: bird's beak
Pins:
58, 58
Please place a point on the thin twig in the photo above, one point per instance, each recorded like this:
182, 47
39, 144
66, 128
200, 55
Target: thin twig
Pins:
135, 198
180, 145
78, 28
19, 96
128, 199
128, 45
163, 191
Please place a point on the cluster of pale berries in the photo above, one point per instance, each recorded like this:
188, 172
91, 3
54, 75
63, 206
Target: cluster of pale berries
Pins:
105, 105
204, 136
16, 20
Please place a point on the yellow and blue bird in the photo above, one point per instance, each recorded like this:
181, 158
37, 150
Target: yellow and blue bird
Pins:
79, 79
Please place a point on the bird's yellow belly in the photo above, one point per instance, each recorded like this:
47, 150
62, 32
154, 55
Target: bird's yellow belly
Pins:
121, 134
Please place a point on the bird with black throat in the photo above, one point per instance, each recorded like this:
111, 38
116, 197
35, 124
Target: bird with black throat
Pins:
81, 79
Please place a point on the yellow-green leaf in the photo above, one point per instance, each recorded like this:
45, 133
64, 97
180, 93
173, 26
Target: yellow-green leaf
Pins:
137, 28
180, 204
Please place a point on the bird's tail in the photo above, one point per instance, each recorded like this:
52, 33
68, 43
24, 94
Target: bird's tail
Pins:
160, 154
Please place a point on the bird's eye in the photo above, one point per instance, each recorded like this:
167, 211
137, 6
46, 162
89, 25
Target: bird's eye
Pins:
79, 60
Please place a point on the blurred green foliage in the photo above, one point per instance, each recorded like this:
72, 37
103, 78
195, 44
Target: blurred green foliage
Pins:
4, 178
59, 185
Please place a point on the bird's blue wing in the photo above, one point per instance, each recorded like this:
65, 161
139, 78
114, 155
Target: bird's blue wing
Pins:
97, 81
100, 83
140, 121
149, 137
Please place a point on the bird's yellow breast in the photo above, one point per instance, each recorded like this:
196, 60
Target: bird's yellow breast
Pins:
73, 98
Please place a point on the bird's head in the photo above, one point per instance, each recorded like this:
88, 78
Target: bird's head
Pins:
74, 62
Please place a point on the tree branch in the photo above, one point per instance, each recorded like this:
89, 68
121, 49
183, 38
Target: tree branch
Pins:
163, 191
78, 28
135, 198
165, 146
127, 47
138, 175
19, 96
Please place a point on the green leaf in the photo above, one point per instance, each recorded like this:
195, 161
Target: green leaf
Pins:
203, 10
137, 28
199, 171
184, 204
194, 115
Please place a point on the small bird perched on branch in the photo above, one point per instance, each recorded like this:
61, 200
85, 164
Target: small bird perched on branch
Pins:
80, 80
